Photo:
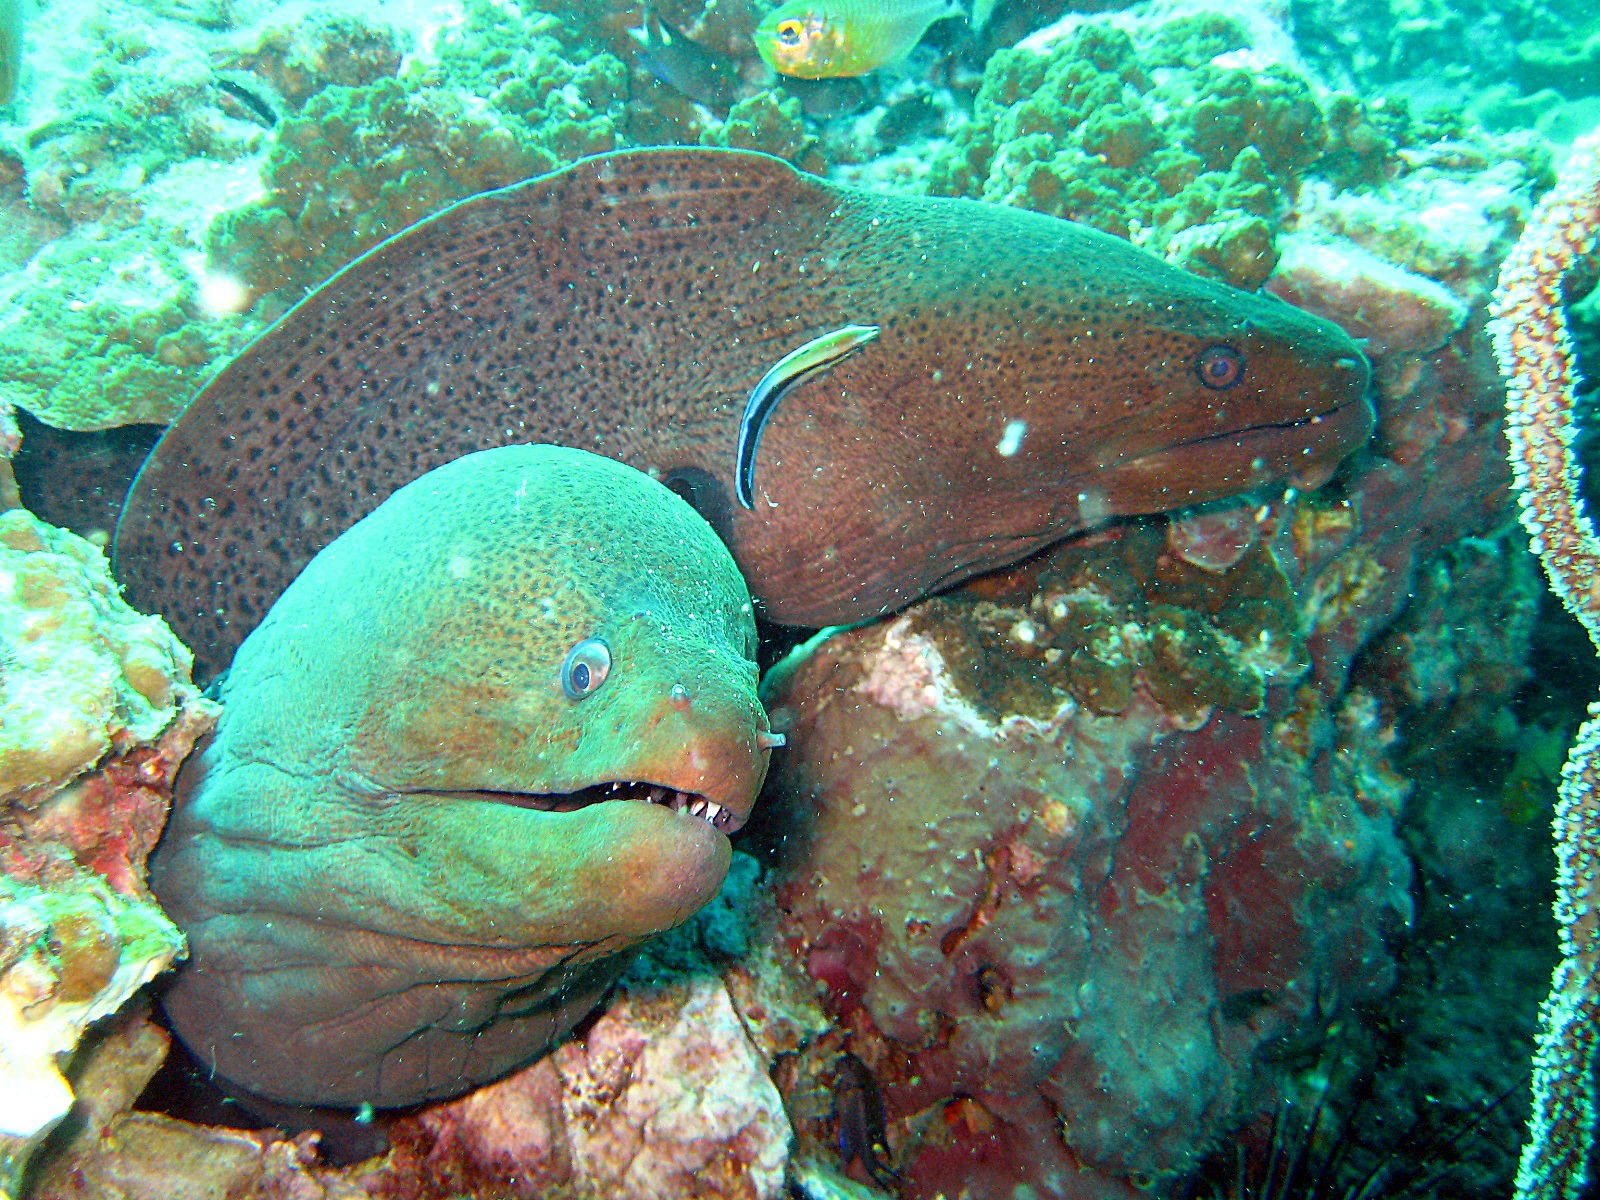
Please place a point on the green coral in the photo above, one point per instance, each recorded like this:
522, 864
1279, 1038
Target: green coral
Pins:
768, 121
142, 105
1152, 138
506, 98
104, 330
301, 58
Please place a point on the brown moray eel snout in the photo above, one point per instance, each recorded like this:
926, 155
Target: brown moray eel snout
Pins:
1031, 377
1116, 398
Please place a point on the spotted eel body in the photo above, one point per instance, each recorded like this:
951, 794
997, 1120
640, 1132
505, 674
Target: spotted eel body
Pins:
1031, 378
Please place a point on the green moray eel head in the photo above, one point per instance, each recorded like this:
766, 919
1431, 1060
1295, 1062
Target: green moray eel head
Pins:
493, 736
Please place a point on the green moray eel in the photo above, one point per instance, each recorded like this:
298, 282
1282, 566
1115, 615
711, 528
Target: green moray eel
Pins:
1030, 378
492, 737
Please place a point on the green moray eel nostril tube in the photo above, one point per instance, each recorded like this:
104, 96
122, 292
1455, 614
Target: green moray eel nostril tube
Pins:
492, 737
1029, 377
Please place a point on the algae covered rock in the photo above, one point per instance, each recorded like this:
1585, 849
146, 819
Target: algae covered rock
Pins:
105, 329
768, 121
1072, 849
96, 712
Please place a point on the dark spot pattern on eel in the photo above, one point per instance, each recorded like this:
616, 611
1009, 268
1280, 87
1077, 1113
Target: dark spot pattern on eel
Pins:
1031, 378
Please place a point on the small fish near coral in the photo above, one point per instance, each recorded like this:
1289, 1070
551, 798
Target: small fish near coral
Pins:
683, 64
492, 738
831, 39
1030, 378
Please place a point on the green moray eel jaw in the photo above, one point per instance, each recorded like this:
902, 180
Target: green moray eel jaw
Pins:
723, 819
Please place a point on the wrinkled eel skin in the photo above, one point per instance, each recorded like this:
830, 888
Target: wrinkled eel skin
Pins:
378, 909
1032, 377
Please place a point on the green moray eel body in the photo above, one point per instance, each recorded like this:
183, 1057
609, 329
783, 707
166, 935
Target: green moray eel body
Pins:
401, 862
1031, 378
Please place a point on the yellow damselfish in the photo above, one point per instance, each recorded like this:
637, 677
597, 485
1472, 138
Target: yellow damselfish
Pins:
827, 39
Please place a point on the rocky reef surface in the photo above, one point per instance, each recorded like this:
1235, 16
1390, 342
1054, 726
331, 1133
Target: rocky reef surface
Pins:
1064, 878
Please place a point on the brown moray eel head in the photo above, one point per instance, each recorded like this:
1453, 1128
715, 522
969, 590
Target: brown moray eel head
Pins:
491, 738
1030, 378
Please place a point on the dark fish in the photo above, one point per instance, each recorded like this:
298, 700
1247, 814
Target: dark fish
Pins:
684, 64
1032, 377
863, 1123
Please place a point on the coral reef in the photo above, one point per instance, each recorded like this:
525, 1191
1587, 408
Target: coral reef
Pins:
1193, 135
1508, 66
1143, 134
97, 712
104, 329
767, 121
358, 162
1191, 725
85, 675
501, 97
619, 1111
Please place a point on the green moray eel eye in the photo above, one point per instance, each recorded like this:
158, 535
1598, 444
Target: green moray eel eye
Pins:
586, 667
789, 32
1219, 367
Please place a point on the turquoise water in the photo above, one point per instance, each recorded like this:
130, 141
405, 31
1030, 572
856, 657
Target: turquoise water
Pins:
1168, 811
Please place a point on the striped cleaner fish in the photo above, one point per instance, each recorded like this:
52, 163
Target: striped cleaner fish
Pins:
827, 39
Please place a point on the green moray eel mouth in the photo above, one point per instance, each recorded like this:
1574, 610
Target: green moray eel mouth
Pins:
722, 817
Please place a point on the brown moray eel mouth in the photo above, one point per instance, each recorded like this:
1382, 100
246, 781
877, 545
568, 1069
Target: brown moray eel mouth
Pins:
722, 817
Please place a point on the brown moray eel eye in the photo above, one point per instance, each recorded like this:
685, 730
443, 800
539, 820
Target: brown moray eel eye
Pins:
586, 667
1219, 367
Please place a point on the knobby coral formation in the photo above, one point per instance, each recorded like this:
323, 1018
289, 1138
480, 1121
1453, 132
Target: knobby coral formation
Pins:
1195, 135
1535, 352
96, 711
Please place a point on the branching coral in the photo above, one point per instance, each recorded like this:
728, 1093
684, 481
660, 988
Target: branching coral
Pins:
1536, 354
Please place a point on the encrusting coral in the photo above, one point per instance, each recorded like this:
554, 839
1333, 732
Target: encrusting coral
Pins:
1068, 850
1184, 133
